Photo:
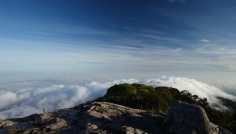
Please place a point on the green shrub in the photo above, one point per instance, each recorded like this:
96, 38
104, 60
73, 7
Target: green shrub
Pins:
160, 99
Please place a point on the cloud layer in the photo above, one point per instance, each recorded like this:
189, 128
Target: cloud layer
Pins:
23, 102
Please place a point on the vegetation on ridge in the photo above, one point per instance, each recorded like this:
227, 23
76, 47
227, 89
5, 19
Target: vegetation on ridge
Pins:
160, 99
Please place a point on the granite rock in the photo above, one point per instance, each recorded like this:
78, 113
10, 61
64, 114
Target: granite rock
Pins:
104, 117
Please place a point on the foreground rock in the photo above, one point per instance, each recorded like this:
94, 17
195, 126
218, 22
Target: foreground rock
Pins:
104, 117
186, 118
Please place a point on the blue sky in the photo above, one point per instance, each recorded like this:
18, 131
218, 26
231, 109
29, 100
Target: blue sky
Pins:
115, 39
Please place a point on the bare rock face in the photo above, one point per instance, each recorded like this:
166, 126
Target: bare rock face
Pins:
104, 117
95, 117
184, 118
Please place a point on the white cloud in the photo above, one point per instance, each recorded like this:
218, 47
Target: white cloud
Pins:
23, 102
192, 85
205, 40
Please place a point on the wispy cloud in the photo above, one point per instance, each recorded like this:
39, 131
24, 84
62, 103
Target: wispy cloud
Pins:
220, 56
205, 40
95, 48
217, 51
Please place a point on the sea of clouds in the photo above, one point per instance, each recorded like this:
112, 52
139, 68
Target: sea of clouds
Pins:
23, 102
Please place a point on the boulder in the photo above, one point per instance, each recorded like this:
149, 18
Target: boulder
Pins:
184, 118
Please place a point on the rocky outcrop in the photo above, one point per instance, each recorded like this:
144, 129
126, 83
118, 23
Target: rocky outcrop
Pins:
104, 117
184, 118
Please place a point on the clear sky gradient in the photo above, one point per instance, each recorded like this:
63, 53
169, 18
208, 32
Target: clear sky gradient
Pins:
111, 38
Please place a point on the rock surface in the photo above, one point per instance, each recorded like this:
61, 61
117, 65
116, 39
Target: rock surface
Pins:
186, 118
104, 117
